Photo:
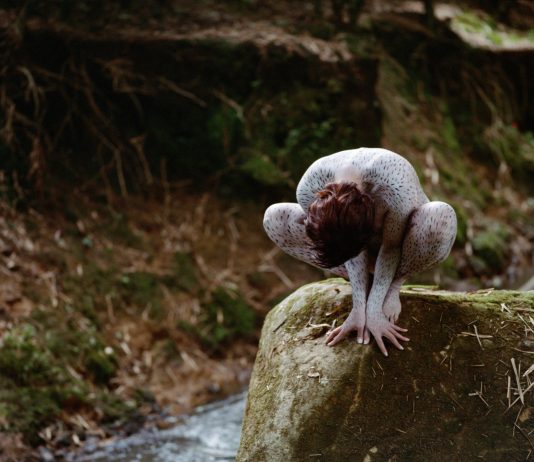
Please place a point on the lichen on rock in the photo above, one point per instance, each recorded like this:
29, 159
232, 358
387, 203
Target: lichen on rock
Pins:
453, 393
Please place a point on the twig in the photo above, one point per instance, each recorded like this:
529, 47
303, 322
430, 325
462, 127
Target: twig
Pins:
180, 91
525, 435
478, 338
528, 371
120, 173
505, 308
517, 399
479, 394
518, 381
509, 391
476, 334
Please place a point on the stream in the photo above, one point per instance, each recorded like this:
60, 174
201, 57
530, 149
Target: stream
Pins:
210, 434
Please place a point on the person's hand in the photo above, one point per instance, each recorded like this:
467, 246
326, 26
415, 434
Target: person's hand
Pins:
354, 323
380, 327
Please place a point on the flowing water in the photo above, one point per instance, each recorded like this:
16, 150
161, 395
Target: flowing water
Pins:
211, 434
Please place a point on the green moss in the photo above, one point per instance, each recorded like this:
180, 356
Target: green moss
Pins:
476, 22
485, 26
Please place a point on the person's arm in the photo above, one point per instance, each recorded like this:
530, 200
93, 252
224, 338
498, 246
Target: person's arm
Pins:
358, 272
385, 268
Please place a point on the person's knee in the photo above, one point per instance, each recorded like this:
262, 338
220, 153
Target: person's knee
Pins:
439, 216
445, 218
272, 217
443, 229
277, 221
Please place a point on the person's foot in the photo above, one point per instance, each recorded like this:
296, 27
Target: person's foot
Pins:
392, 306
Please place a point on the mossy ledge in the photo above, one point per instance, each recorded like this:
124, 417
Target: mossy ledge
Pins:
452, 394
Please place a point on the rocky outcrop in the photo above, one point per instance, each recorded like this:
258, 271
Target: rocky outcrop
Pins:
460, 390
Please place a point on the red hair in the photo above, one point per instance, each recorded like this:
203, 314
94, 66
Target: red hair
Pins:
339, 223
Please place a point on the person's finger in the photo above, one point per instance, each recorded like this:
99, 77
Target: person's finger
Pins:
332, 334
391, 337
366, 336
401, 337
360, 334
399, 328
380, 344
340, 336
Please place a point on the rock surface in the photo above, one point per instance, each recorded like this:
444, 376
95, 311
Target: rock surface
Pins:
452, 394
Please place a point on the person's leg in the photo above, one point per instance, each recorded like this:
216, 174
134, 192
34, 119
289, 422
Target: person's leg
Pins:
284, 224
428, 241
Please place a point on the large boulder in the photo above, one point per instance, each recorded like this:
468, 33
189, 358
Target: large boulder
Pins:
452, 394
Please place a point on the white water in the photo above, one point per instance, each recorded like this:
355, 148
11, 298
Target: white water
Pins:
211, 434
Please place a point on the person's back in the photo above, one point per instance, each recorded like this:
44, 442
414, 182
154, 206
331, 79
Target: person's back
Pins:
377, 172
345, 201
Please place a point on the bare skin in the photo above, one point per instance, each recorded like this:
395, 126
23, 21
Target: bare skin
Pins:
412, 235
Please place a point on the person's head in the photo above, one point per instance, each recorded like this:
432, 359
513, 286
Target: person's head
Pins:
339, 223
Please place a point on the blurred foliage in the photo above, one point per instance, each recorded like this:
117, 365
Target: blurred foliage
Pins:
44, 371
118, 125
225, 316
491, 250
508, 145
185, 272
486, 26
57, 361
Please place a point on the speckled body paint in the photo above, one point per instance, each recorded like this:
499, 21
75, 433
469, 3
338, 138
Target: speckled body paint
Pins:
412, 234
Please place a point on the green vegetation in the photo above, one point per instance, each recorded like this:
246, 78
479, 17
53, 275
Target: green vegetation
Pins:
142, 290
185, 273
514, 148
225, 316
120, 231
490, 247
44, 372
486, 27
